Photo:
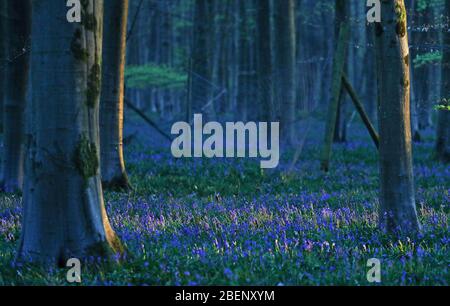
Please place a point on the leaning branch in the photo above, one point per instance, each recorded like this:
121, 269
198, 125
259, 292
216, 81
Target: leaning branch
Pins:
147, 119
360, 108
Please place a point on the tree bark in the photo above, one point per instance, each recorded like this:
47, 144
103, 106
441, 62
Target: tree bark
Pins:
336, 94
113, 170
18, 23
341, 15
286, 41
422, 85
64, 212
397, 199
264, 57
201, 73
443, 127
244, 63
3, 57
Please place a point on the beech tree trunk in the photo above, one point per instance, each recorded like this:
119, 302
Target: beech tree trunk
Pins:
341, 14
113, 171
286, 40
244, 64
264, 65
397, 199
423, 73
201, 73
18, 23
3, 57
64, 212
443, 127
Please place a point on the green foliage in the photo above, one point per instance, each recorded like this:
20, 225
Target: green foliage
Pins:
434, 57
444, 105
423, 5
151, 75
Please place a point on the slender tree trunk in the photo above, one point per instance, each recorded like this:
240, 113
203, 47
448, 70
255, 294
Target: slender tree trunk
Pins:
397, 199
18, 24
370, 90
422, 74
3, 59
443, 127
265, 88
234, 56
341, 14
64, 212
244, 63
414, 20
286, 40
111, 106
201, 57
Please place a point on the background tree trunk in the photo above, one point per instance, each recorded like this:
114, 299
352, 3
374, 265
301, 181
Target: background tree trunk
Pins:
286, 41
443, 127
201, 73
397, 199
264, 57
111, 105
422, 86
244, 63
411, 5
17, 69
64, 213
341, 14
3, 61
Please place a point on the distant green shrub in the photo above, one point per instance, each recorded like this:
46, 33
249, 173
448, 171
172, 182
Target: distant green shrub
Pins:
151, 75
433, 57
422, 5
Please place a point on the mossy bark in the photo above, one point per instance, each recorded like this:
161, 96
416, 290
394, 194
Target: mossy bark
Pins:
64, 212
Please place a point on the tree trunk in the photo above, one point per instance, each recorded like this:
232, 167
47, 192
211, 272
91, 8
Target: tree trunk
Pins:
443, 128
64, 212
397, 200
422, 74
18, 24
3, 57
414, 21
265, 88
244, 63
201, 57
341, 15
111, 106
286, 39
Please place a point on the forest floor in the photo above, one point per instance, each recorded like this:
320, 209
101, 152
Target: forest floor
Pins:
227, 222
